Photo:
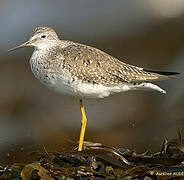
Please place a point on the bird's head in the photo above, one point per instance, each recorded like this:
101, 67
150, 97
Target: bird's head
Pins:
42, 37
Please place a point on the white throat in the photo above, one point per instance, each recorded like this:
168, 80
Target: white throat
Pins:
44, 45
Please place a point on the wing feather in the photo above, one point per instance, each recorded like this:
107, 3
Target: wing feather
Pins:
92, 65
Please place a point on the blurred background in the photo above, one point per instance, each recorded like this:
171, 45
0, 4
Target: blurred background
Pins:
140, 32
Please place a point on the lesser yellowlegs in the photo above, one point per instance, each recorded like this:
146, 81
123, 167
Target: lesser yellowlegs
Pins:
83, 71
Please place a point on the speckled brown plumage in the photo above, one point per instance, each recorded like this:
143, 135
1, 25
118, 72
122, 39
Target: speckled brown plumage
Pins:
81, 70
94, 66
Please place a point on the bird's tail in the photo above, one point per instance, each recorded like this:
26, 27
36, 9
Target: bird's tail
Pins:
147, 86
162, 74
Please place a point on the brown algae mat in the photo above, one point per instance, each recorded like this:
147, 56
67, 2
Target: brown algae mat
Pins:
101, 162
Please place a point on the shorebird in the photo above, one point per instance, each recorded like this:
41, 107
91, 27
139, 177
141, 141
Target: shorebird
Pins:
85, 72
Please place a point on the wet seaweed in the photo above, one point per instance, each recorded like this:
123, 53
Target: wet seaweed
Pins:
102, 162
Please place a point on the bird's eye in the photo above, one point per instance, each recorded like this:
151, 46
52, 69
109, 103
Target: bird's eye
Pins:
43, 36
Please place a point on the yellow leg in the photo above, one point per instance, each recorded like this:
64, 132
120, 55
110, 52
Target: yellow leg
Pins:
83, 125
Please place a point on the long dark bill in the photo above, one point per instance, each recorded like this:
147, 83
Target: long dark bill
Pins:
20, 46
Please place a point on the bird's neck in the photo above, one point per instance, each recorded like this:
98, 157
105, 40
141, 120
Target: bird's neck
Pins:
45, 45
46, 49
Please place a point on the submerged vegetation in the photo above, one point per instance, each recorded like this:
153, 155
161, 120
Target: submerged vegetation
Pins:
101, 162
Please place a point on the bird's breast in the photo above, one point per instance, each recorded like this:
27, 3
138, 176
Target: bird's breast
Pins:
51, 75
